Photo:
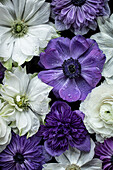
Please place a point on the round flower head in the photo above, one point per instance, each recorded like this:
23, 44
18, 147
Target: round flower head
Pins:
105, 41
23, 29
23, 153
104, 151
73, 159
98, 110
5, 130
27, 100
64, 127
74, 67
78, 15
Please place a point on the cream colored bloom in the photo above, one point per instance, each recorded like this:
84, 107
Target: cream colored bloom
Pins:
98, 110
27, 100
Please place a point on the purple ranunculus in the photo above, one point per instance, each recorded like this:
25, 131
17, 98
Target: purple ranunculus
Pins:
73, 67
78, 15
64, 127
104, 151
23, 153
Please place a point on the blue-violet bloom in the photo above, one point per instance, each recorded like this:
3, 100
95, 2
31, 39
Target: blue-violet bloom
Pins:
104, 151
73, 67
24, 153
64, 128
78, 15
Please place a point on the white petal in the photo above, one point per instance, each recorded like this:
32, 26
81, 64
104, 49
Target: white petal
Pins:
104, 41
19, 7
42, 15
29, 44
44, 33
34, 125
70, 156
23, 79
108, 68
86, 157
32, 8
11, 80
95, 164
5, 17
51, 166
17, 55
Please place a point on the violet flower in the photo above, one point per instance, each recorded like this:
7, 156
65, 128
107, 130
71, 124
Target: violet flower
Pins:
73, 67
79, 15
64, 128
23, 153
104, 151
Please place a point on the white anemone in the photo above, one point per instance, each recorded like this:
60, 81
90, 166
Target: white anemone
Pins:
76, 160
27, 99
24, 29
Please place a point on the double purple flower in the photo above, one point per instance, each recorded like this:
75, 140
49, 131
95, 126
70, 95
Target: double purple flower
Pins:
64, 127
78, 15
73, 67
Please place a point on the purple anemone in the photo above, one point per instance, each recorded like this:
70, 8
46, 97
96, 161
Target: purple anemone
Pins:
104, 151
73, 67
78, 15
23, 153
64, 127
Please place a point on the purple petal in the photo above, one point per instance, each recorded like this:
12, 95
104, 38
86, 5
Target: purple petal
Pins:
85, 146
92, 75
63, 48
93, 57
51, 151
84, 88
51, 59
80, 114
70, 91
78, 46
50, 75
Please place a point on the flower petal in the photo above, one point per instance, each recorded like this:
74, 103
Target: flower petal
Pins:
70, 91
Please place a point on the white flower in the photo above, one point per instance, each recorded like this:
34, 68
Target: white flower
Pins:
75, 159
24, 29
27, 100
105, 41
98, 110
5, 130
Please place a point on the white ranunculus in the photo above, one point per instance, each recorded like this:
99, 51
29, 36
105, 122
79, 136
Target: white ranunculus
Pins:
5, 130
24, 29
105, 41
75, 159
27, 99
98, 110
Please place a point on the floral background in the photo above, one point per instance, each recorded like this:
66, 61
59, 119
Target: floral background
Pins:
56, 79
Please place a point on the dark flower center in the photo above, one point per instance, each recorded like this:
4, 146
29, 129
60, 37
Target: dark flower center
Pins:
18, 158
71, 68
78, 2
